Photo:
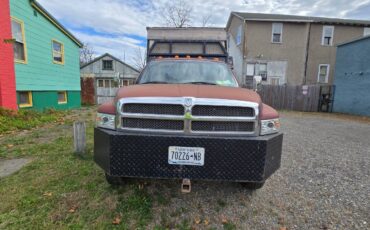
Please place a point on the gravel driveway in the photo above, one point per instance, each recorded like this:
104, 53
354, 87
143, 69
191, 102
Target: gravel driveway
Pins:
323, 183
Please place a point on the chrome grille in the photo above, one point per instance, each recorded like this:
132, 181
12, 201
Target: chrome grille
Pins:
189, 115
222, 126
222, 111
165, 109
137, 123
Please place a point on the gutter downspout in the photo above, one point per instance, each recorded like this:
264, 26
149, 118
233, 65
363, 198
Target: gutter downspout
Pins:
244, 52
307, 54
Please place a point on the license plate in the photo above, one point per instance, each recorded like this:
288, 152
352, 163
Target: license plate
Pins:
178, 155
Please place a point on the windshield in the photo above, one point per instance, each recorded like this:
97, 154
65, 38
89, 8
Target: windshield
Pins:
188, 72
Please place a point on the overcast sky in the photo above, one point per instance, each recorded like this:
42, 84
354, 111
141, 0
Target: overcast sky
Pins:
118, 26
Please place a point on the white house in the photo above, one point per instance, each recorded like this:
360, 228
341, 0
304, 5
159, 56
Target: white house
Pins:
109, 72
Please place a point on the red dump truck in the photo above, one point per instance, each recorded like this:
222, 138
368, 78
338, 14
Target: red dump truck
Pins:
187, 118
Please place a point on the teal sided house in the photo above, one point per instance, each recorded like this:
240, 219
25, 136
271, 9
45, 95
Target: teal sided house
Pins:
46, 59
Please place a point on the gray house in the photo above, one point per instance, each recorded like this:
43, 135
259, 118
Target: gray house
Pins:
288, 49
109, 72
352, 77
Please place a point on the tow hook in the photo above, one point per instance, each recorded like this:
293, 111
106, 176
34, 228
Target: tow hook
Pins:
186, 186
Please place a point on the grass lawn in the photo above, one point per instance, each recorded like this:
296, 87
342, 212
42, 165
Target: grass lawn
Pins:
27, 119
60, 190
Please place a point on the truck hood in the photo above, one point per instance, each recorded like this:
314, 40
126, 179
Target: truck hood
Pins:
188, 90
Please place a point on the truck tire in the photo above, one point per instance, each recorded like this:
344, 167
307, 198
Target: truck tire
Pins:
252, 185
114, 180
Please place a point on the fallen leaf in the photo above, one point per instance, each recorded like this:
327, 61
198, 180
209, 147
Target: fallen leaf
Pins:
47, 194
224, 220
197, 220
72, 209
116, 220
206, 222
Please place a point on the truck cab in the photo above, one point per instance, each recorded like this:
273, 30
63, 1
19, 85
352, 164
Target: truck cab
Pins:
187, 118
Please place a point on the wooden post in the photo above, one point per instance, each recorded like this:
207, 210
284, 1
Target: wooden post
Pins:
79, 134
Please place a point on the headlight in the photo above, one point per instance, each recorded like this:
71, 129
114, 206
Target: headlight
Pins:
107, 121
270, 126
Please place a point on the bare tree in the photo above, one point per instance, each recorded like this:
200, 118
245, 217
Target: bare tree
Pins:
206, 19
177, 13
139, 58
87, 54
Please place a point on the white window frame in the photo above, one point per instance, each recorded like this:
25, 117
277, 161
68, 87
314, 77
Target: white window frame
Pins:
327, 73
323, 35
250, 69
275, 24
366, 31
238, 38
258, 71
98, 85
107, 69
274, 78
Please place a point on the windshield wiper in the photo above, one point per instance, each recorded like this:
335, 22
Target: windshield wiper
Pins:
200, 83
155, 82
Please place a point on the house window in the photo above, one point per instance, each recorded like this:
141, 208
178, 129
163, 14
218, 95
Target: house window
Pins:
274, 81
239, 35
277, 33
107, 83
107, 65
25, 99
250, 69
114, 84
62, 97
126, 82
323, 74
100, 83
366, 31
58, 52
19, 45
327, 35
262, 71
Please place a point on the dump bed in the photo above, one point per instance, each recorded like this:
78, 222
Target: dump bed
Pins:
205, 42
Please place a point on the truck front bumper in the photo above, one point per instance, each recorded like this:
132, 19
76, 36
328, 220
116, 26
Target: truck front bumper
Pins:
243, 159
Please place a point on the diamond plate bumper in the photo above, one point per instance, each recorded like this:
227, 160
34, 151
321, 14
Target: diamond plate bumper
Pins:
244, 159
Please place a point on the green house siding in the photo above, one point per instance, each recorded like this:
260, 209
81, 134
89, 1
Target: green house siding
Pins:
42, 100
40, 73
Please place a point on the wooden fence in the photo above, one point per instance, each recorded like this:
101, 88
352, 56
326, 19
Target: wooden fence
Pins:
299, 98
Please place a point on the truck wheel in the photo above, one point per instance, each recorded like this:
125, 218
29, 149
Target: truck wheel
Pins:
252, 185
114, 180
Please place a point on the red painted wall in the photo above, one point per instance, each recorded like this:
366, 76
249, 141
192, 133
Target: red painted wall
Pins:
8, 97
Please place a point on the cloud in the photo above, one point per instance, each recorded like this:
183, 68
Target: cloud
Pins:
117, 25
122, 47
